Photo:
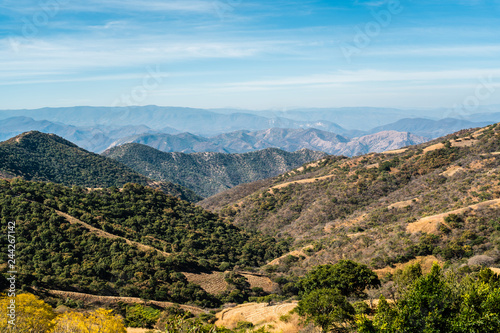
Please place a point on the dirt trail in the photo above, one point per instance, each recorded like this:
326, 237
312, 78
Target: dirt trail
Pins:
104, 234
302, 181
92, 299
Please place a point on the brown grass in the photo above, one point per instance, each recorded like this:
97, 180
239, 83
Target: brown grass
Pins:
429, 224
403, 204
451, 171
302, 181
213, 283
395, 151
463, 143
260, 314
426, 263
495, 270
296, 253
140, 330
261, 281
434, 147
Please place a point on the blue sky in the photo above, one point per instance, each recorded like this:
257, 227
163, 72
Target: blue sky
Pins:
249, 54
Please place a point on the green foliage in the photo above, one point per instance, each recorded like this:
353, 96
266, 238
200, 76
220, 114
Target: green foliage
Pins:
209, 173
326, 308
56, 254
141, 316
46, 157
434, 303
347, 276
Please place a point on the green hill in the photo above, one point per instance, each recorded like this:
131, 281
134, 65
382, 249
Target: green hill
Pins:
209, 173
46, 157
381, 209
133, 241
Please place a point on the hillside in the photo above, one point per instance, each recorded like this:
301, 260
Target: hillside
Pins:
209, 173
384, 208
47, 157
133, 242
282, 138
430, 128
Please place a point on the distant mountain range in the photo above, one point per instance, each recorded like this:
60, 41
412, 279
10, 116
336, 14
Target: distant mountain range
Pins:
282, 138
430, 128
209, 173
345, 131
46, 157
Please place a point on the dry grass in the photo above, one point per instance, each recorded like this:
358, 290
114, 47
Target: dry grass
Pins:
140, 330
429, 224
213, 283
495, 270
302, 181
260, 281
451, 171
463, 143
434, 147
104, 234
403, 204
395, 151
425, 262
296, 253
260, 314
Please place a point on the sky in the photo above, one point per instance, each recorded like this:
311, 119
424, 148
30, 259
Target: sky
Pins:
249, 54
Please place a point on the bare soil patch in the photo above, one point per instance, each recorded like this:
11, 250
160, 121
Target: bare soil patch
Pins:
261, 314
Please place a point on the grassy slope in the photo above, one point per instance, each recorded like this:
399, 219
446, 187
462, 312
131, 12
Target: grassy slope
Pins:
361, 207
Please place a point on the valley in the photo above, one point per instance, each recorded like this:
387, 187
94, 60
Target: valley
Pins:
240, 258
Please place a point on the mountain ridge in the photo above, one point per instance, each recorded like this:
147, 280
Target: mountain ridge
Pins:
47, 157
208, 173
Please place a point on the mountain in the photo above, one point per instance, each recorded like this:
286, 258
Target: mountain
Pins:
198, 121
47, 157
95, 138
282, 138
430, 128
131, 242
438, 199
209, 173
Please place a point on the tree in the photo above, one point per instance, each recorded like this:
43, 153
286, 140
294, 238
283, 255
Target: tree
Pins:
98, 321
31, 314
438, 304
347, 276
328, 309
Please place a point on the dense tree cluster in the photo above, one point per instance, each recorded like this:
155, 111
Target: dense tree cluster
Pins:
45, 157
56, 254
